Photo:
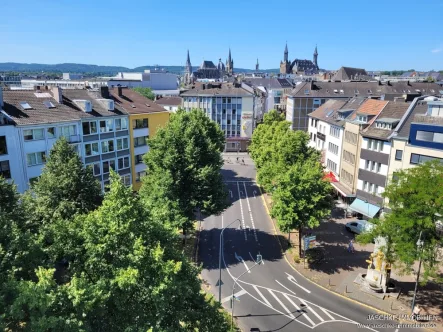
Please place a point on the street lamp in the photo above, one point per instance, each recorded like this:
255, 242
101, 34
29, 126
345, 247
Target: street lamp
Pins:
220, 257
258, 262
420, 244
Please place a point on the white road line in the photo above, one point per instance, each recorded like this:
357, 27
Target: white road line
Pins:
298, 308
281, 303
278, 282
327, 313
312, 310
292, 279
241, 210
262, 296
250, 213
239, 293
234, 181
240, 259
230, 193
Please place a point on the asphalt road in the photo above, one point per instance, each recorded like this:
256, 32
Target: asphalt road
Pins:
271, 296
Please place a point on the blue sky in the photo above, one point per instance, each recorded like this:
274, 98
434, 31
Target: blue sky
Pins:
388, 34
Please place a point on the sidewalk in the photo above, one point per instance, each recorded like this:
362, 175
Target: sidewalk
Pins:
339, 268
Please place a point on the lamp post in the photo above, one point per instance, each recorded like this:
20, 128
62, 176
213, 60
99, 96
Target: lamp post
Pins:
420, 244
258, 262
220, 257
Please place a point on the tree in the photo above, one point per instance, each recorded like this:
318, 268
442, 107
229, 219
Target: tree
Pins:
416, 204
145, 92
183, 168
301, 198
275, 148
65, 187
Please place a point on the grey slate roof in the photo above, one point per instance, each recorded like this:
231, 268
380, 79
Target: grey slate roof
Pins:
328, 112
391, 113
269, 83
217, 89
207, 65
169, 101
404, 128
348, 73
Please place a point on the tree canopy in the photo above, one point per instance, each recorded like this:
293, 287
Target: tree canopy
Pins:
145, 92
183, 168
416, 205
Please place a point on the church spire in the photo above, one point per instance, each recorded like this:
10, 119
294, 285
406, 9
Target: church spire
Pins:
285, 58
188, 60
315, 56
256, 66
229, 56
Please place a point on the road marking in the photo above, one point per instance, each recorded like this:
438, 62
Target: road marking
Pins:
241, 210
234, 181
312, 310
292, 279
285, 287
300, 310
327, 313
281, 303
240, 259
238, 294
250, 213
230, 193
262, 296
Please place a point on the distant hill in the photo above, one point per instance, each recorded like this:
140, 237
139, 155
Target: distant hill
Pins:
91, 69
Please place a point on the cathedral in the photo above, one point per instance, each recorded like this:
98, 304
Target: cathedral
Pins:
305, 67
208, 70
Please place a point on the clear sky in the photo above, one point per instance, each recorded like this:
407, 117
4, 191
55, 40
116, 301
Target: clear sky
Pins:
376, 34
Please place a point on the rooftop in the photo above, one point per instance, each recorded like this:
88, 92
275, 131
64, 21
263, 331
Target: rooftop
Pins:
133, 102
370, 107
217, 89
169, 101
328, 112
269, 83
404, 126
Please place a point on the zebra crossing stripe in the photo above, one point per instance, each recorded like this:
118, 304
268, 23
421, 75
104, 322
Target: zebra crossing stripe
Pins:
281, 303
327, 313
241, 210
312, 310
261, 295
296, 307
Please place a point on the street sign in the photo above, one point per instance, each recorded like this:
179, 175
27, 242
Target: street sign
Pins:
309, 242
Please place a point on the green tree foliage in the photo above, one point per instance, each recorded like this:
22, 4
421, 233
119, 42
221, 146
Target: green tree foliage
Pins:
145, 92
275, 148
65, 187
302, 197
416, 203
183, 169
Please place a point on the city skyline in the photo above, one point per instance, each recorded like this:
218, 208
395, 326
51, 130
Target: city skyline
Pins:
139, 34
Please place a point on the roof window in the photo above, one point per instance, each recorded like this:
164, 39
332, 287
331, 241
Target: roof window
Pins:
370, 91
25, 105
342, 92
48, 104
306, 92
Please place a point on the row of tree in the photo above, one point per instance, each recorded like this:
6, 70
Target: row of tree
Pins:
72, 259
291, 170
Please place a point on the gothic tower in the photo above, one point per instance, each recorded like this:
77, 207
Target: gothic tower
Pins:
315, 57
188, 71
256, 66
284, 65
230, 64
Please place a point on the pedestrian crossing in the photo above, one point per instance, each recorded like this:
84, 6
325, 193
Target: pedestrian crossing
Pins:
292, 306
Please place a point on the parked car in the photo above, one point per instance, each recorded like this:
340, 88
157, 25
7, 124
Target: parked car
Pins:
359, 226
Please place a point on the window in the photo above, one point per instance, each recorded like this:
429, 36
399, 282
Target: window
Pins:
351, 137
362, 118
25, 105
123, 163
36, 158
429, 136
33, 134
139, 176
140, 123
367, 164
378, 167
107, 165
50, 132
398, 154
91, 149
331, 165
67, 131
317, 102
106, 126
415, 158
373, 166
122, 143
349, 157
108, 146
334, 131
140, 141
333, 148
347, 177
138, 158
365, 185
89, 128
375, 189
3, 146
121, 124
126, 179
5, 171
96, 169
420, 159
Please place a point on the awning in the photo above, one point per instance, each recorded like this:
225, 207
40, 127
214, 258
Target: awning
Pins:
364, 208
342, 189
329, 176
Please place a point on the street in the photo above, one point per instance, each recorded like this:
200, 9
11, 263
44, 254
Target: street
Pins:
271, 296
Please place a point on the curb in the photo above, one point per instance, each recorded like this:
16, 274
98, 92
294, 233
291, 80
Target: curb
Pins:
318, 285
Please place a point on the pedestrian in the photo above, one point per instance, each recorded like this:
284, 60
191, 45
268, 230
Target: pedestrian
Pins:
243, 161
351, 246
237, 159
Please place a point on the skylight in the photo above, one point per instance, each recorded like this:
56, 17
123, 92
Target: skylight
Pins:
132, 105
356, 91
48, 104
329, 113
335, 91
342, 92
306, 92
25, 105
369, 91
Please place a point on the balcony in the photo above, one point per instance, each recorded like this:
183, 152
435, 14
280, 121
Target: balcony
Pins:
73, 138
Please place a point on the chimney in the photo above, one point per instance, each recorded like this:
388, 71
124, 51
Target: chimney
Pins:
119, 89
104, 91
203, 86
408, 83
57, 93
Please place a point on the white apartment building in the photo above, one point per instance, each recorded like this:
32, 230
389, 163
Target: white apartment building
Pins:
89, 120
64, 83
230, 105
156, 80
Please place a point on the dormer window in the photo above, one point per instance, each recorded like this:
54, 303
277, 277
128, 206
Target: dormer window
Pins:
383, 125
362, 118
